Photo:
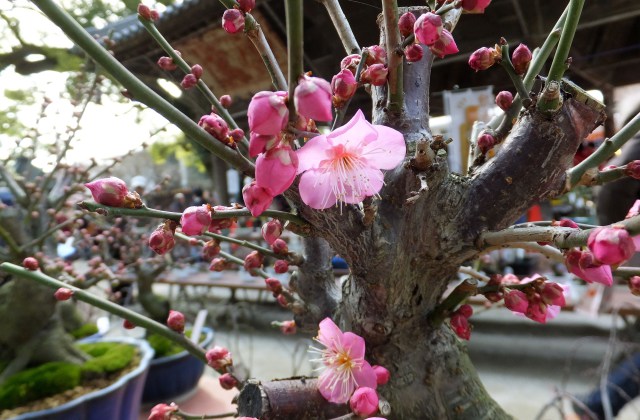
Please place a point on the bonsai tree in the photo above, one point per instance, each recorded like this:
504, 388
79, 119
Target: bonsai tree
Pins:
381, 195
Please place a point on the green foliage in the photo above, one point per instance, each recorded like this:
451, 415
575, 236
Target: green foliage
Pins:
107, 358
84, 331
180, 149
40, 382
164, 347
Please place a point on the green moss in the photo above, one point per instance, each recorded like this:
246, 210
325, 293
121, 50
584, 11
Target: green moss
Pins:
85, 331
40, 382
55, 377
164, 347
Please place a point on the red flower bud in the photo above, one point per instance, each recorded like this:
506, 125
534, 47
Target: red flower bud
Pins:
382, 374
521, 58
282, 300
375, 74
486, 142
210, 249
288, 327
483, 58
226, 101
227, 381
272, 230
343, 86
110, 191
552, 294
364, 401
634, 285
413, 52
163, 412
63, 294
166, 63
233, 21
475, 6
253, 260
460, 326
428, 28
633, 169
175, 321
162, 240
273, 285
465, 310
281, 266
128, 325
196, 70
376, 55
218, 264
144, 11
406, 22
504, 99
189, 81
350, 63
246, 5
31, 264
279, 247
216, 126
219, 358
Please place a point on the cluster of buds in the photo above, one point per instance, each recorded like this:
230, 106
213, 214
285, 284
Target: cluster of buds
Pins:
233, 19
146, 13
428, 30
219, 129
191, 79
484, 58
539, 300
460, 321
162, 239
113, 192
176, 321
374, 72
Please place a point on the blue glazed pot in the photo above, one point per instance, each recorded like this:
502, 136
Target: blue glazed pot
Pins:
176, 375
120, 400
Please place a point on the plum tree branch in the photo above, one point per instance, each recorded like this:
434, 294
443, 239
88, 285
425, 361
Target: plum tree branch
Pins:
342, 26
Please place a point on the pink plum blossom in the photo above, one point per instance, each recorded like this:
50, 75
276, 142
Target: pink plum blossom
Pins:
162, 240
346, 164
428, 28
364, 401
268, 113
406, 22
375, 74
377, 55
611, 245
445, 45
195, 220
312, 98
516, 301
108, 191
276, 169
219, 358
256, 198
521, 58
583, 265
475, 6
483, 58
176, 321
344, 366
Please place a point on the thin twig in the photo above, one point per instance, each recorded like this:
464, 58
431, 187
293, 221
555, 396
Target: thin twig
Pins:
342, 26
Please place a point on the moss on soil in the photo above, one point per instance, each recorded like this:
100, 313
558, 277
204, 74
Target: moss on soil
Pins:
55, 377
164, 347
85, 331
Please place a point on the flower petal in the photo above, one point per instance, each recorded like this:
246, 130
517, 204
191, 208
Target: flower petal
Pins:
333, 389
354, 345
329, 333
368, 182
313, 152
358, 129
365, 376
387, 151
316, 189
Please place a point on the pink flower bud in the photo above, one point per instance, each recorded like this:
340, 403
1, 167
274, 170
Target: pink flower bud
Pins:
465, 310
253, 260
110, 191
634, 285
460, 326
272, 230
63, 294
237, 134
475, 6
634, 210
375, 74
166, 63
611, 245
483, 58
376, 55
312, 98
281, 266
413, 52
219, 358
188, 81
406, 22
282, 301
256, 198
226, 101
633, 169
219, 224
145, 12
210, 249
552, 294
246, 5
268, 113
504, 99
163, 412
521, 58
227, 381
279, 247
195, 220
216, 126
259, 143
175, 321
428, 28
509, 279
486, 142
218, 264
516, 301
128, 325
343, 85
382, 374
196, 70
162, 240
445, 45
537, 309
273, 285
364, 401
276, 169
31, 264
350, 63
288, 327
233, 21
566, 223
155, 15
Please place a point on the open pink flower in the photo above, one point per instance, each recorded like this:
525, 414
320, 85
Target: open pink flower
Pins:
344, 366
346, 164
583, 265
276, 169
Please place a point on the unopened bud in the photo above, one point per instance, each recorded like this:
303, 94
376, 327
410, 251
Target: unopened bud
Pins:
189, 81
281, 266
504, 99
634, 285
31, 264
272, 230
227, 381
376, 55
166, 63
128, 325
233, 21
465, 310
483, 58
375, 74
176, 321
280, 247
273, 285
521, 58
226, 101
382, 374
218, 264
633, 169
196, 70
486, 142
343, 86
406, 22
414, 52
253, 260
246, 5
219, 358
288, 327
63, 294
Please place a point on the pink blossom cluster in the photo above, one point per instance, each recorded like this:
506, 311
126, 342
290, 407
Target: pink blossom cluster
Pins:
346, 375
428, 30
539, 300
460, 321
374, 72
